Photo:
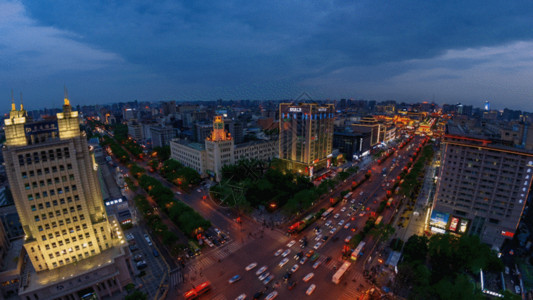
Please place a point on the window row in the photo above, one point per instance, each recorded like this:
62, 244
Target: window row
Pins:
52, 192
40, 172
61, 223
43, 156
49, 181
38, 218
64, 233
45, 194
67, 260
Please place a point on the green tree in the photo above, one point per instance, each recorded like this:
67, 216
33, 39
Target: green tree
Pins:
137, 295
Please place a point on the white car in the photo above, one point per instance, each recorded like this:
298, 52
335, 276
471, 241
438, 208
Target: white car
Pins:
343, 209
341, 222
347, 225
308, 277
318, 237
328, 223
316, 264
178, 193
332, 231
241, 297
295, 268
303, 260
263, 276
251, 266
286, 252
129, 237
336, 216
199, 190
147, 238
283, 262
317, 245
278, 252
311, 289
272, 296
291, 243
261, 270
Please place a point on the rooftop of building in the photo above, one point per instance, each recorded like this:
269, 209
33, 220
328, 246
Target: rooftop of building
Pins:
251, 143
38, 280
483, 131
193, 145
11, 260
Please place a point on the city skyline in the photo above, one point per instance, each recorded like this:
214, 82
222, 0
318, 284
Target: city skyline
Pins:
442, 52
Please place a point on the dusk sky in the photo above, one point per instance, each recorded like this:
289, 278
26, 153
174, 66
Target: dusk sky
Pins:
111, 51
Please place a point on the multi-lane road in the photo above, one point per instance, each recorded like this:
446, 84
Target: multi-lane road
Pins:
254, 243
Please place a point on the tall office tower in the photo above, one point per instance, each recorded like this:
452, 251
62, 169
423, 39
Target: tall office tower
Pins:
53, 179
52, 174
219, 148
306, 136
483, 186
487, 105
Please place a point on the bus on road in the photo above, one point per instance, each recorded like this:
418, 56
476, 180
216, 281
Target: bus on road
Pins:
358, 250
347, 197
338, 275
379, 220
327, 213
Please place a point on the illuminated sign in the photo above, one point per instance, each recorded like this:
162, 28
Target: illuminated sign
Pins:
507, 234
439, 219
295, 109
322, 109
463, 226
454, 223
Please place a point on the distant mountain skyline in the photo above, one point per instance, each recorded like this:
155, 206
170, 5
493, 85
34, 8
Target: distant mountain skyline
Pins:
114, 51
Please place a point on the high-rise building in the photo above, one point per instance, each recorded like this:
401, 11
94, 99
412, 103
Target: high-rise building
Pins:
487, 106
162, 135
483, 186
306, 135
52, 175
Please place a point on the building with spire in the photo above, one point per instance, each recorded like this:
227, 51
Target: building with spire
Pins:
52, 175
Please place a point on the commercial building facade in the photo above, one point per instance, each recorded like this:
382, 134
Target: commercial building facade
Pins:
482, 189
306, 135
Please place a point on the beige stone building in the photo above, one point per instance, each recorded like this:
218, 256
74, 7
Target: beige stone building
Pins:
52, 175
219, 150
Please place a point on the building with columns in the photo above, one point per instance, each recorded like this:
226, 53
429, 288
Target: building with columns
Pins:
52, 175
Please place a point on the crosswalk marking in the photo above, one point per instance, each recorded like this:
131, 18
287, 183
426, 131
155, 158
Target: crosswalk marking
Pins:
176, 278
331, 264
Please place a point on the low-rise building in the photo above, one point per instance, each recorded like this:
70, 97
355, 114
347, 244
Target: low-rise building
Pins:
219, 150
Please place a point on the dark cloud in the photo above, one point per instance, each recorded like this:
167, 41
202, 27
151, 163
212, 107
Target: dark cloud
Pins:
263, 49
